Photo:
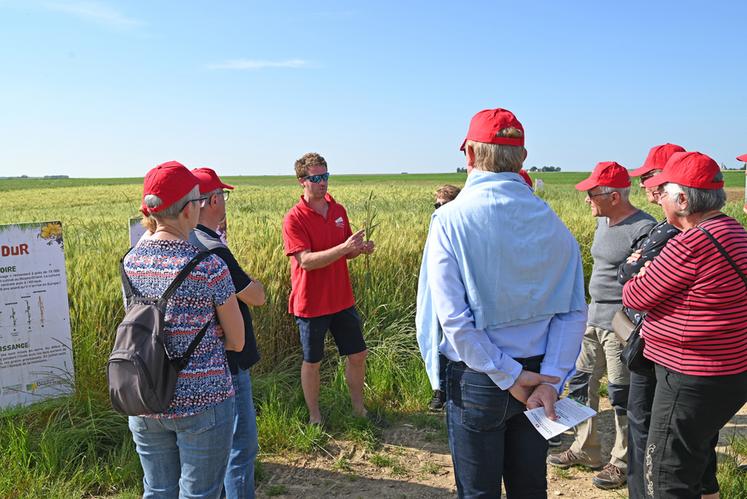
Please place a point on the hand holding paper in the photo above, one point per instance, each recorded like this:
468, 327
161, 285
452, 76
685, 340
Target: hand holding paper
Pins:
569, 414
544, 396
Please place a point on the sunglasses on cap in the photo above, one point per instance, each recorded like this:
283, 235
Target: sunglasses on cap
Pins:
315, 179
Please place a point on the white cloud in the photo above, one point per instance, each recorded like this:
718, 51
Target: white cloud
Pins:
95, 11
257, 64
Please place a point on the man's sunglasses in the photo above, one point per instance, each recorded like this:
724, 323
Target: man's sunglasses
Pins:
315, 179
438, 205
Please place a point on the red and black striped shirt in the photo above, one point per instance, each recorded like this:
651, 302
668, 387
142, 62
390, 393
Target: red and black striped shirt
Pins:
697, 311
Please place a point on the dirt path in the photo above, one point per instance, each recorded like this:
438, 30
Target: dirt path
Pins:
414, 462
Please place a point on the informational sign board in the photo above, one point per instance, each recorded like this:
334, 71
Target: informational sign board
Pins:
36, 354
136, 230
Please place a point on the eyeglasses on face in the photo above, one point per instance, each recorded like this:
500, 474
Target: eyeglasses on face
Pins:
590, 195
315, 179
225, 194
195, 200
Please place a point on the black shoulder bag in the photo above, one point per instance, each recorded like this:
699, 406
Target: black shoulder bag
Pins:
632, 352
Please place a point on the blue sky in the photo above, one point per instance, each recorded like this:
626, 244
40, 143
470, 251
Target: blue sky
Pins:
104, 88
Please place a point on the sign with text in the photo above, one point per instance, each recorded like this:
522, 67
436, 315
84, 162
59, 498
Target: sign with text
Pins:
36, 359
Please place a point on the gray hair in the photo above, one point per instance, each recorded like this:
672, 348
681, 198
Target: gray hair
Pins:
698, 200
498, 157
624, 192
210, 194
153, 201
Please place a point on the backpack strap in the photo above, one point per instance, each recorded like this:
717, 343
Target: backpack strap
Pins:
180, 363
722, 250
126, 284
179, 279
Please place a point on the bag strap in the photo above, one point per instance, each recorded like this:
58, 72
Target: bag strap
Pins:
126, 284
180, 363
722, 250
181, 276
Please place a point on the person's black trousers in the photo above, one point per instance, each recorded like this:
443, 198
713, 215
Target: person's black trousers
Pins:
686, 415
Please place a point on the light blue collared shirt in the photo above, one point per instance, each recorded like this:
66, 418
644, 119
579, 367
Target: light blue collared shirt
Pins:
501, 279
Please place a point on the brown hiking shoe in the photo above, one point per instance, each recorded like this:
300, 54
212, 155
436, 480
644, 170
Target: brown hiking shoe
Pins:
611, 477
567, 458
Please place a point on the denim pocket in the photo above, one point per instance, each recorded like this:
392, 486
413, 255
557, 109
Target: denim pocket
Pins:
137, 424
483, 406
198, 423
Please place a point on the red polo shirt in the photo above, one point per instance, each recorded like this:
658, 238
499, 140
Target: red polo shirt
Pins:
321, 291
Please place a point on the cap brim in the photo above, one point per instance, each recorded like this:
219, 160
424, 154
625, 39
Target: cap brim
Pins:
587, 185
657, 180
743, 158
226, 186
642, 171
464, 144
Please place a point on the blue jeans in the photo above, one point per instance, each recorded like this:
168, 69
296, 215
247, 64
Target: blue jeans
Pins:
490, 438
239, 482
184, 457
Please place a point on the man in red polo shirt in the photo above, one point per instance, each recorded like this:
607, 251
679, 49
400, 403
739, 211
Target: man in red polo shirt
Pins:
318, 239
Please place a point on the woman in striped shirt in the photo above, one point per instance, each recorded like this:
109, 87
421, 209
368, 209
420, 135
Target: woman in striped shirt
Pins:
696, 328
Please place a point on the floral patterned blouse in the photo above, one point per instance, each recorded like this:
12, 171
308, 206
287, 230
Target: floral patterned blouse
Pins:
151, 266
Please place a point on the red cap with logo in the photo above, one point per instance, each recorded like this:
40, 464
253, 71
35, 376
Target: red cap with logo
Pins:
691, 169
742, 158
488, 122
526, 177
209, 180
606, 174
170, 181
657, 158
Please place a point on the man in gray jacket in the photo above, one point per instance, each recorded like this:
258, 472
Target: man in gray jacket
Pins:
619, 226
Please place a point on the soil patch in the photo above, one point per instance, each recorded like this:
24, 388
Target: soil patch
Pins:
414, 462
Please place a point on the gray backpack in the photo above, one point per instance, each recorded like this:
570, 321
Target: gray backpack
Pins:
141, 373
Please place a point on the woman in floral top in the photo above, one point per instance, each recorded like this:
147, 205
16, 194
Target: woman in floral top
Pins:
184, 450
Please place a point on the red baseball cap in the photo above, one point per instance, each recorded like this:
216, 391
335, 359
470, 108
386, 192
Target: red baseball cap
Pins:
691, 169
170, 181
607, 174
209, 180
488, 122
743, 158
657, 158
526, 177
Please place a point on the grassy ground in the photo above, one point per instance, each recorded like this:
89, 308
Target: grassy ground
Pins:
77, 447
